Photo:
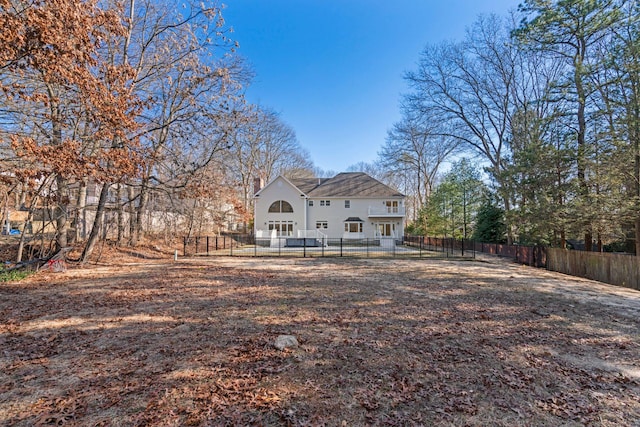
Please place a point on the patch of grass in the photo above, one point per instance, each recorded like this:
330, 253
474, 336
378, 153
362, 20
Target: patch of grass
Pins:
13, 275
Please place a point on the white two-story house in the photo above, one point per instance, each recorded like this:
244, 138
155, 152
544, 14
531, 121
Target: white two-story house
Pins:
351, 205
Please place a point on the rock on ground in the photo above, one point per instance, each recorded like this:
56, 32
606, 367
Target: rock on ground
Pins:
285, 341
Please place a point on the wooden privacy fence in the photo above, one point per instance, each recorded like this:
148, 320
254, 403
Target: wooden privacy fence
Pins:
615, 269
534, 256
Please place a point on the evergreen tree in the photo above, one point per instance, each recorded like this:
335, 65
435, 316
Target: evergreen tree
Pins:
490, 225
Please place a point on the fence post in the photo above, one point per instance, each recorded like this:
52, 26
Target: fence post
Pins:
255, 248
304, 247
207, 245
463, 246
324, 242
341, 246
197, 241
184, 246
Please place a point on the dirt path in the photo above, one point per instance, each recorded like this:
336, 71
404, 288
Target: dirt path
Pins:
382, 342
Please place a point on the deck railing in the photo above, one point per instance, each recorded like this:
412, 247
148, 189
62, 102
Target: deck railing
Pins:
396, 211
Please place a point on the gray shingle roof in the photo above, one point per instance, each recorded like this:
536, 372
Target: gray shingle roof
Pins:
346, 184
307, 184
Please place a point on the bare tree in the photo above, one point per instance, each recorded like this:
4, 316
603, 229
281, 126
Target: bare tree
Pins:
415, 150
264, 147
64, 103
189, 80
467, 87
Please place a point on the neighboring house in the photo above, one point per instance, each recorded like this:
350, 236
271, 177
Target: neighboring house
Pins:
350, 205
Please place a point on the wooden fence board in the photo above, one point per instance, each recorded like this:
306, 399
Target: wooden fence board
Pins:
615, 269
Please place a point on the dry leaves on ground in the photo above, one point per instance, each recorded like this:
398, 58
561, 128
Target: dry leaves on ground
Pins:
382, 342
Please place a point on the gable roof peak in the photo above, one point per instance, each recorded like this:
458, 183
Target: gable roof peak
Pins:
343, 185
353, 184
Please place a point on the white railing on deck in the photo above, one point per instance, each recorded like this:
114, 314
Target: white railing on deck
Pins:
378, 235
387, 211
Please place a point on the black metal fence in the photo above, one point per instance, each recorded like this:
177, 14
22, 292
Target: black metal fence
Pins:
249, 245
610, 268
406, 246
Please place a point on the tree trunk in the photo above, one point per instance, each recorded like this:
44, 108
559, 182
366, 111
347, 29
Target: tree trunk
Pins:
79, 220
23, 235
132, 210
120, 213
507, 208
23, 196
582, 154
98, 220
142, 206
62, 212
636, 173
637, 235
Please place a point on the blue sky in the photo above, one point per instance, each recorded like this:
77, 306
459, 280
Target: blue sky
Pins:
333, 68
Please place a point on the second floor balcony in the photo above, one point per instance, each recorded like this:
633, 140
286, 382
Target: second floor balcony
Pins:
387, 211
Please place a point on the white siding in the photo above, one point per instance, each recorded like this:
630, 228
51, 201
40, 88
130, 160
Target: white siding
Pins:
279, 189
335, 214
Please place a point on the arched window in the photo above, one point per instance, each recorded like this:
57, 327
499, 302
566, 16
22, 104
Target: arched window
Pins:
280, 206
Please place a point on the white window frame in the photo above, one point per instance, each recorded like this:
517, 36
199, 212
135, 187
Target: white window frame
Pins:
348, 227
283, 228
279, 204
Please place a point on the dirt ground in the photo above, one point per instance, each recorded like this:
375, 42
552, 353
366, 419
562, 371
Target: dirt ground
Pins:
381, 342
